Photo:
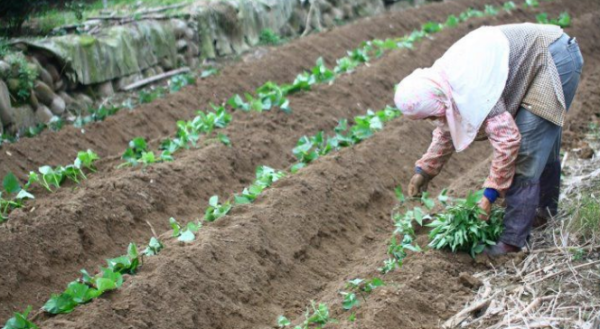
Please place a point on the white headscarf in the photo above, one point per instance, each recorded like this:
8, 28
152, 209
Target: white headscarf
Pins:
463, 85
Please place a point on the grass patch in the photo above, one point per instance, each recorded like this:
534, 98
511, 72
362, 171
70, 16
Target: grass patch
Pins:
585, 216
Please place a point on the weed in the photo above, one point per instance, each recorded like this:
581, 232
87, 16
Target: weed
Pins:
23, 72
269, 37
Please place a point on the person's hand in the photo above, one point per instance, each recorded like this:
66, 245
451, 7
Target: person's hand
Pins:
486, 206
418, 184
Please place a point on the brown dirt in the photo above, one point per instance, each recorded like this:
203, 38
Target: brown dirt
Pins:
300, 241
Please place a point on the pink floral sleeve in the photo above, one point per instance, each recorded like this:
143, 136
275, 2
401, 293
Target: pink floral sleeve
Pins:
503, 133
438, 153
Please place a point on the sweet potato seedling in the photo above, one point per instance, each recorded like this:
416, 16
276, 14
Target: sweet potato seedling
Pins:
20, 321
361, 287
216, 210
154, 247
265, 177
315, 317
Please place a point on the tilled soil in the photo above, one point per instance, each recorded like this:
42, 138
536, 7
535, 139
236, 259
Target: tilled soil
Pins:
302, 239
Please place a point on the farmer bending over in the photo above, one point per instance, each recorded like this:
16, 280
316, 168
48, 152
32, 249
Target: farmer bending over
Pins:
513, 85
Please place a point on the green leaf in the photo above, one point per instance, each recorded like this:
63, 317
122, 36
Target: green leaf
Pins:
208, 72
224, 139
104, 284
132, 251
60, 304
20, 321
399, 195
427, 201
154, 247
214, 201
175, 227
297, 167
350, 300
11, 184
187, 236
24, 195
282, 321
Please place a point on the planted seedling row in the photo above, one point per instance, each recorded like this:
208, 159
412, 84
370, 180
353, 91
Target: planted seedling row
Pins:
14, 194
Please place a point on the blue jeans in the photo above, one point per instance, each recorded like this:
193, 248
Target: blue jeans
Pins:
536, 184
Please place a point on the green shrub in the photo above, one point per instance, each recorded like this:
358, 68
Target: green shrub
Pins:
268, 37
25, 73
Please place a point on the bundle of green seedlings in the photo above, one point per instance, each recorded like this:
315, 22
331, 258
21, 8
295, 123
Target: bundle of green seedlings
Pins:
46, 177
460, 228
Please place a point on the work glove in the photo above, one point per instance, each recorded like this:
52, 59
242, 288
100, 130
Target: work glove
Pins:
418, 185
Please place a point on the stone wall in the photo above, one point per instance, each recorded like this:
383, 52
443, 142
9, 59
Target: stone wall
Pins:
76, 70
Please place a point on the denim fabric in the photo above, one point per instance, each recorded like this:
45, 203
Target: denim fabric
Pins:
539, 153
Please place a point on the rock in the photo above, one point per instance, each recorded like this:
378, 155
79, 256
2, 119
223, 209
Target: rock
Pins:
4, 69
60, 85
328, 20
166, 63
33, 101
193, 62
469, 281
54, 73
6, 110
46, 78
120, 83
44, 93
43, 114
66, 97
84, 99
348, 11
58, 106
181, 45
190, 34
24, 118
105, 89
337, 14
325, 6
193, 50
13, 85
149, 73
179, 28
